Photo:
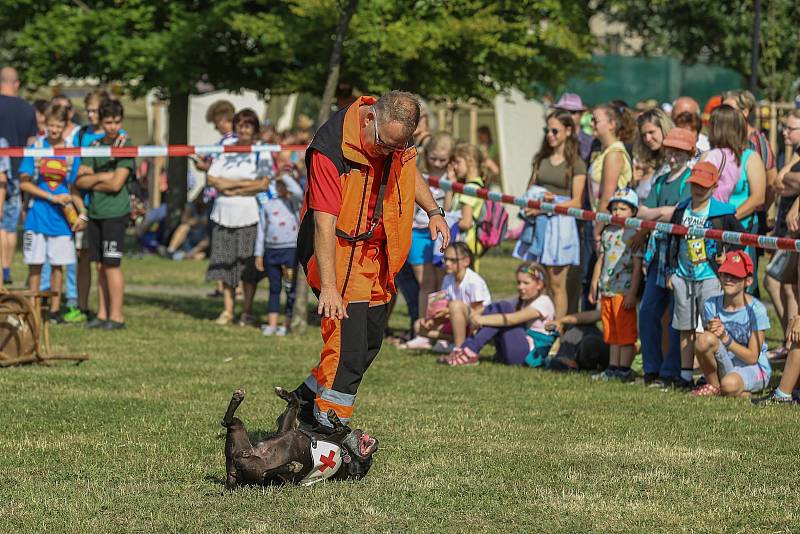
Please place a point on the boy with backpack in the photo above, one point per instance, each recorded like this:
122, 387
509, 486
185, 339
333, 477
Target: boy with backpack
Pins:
694, 261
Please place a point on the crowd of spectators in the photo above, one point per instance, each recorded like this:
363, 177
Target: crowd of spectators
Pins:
684, 303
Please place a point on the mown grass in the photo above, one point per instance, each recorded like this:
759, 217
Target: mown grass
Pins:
130, 441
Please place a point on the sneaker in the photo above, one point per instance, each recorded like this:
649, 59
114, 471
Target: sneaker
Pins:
772, 399
75, 315
442, 347
661, 383
418, 343
625, 376
605, 376
114, 325
96, 323
56, 318
649, 378
268, 330
248, 319
683, 385
281, 331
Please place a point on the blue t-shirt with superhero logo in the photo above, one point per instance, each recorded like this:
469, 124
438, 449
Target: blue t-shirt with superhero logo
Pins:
53, 175
740, 324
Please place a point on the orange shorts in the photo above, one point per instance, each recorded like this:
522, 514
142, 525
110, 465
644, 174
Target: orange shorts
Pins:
619, 324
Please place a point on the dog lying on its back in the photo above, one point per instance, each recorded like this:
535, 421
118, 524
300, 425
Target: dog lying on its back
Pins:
293, 455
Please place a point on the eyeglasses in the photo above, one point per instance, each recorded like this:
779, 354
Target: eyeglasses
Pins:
378, 141
553, 131
787, 129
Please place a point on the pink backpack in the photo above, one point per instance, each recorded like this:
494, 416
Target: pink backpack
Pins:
493, 225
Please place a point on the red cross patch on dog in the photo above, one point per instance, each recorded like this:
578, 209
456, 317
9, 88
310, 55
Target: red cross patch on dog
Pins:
327, 460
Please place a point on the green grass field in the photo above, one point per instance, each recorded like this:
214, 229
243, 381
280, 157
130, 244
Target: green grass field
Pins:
130, 441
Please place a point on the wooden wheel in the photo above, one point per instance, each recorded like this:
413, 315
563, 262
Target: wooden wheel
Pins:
19, 330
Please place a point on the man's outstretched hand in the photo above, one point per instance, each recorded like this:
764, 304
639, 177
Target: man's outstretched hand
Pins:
438, 225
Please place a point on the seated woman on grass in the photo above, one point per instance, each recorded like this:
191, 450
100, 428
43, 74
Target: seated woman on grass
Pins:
731, 351
506, 322
464, 291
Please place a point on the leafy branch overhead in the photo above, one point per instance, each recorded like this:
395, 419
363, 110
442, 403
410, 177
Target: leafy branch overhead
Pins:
453, 49
720, 33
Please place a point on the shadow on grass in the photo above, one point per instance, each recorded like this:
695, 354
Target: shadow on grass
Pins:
196, 307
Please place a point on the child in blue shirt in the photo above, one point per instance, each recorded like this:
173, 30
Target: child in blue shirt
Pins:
276, 246
694, 260
732, 352
56, 209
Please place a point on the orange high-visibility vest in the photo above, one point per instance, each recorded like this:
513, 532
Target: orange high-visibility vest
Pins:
339, 140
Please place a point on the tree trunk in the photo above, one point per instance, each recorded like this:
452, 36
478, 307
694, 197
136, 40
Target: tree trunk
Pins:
177, 167
334, 66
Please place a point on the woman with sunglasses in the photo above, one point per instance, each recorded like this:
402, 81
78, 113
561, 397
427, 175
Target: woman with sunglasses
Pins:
560, 171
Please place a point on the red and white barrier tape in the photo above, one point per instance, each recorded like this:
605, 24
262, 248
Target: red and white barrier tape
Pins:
735, 238
145, 151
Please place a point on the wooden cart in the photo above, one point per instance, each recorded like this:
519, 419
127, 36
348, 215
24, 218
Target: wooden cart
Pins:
24, 332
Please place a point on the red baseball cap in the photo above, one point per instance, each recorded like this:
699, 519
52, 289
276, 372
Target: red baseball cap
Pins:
738, 264
704, 174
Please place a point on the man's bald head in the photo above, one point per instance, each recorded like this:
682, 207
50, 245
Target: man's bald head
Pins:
399, 106
9, 81
685, 104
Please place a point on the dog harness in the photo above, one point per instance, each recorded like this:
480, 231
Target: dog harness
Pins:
327, 459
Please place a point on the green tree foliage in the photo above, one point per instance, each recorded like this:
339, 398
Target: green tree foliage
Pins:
453, 49
719, 33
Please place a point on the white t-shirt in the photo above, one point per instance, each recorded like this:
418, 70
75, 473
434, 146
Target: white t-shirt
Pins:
547, 313
236, 212
472, 289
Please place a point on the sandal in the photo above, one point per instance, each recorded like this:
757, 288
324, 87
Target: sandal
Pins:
459, 357
224, 318
706, 390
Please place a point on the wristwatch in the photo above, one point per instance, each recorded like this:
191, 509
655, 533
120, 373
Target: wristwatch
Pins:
438, 210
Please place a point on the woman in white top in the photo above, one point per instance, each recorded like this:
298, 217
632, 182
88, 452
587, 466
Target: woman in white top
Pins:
237, 177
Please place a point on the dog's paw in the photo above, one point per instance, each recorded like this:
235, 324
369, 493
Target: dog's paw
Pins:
282, 393
295, 467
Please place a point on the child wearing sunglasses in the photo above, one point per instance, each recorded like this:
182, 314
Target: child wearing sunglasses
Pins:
506, 322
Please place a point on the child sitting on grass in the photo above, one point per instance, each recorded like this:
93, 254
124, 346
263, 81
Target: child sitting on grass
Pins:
505, 322
617, 275
276, 245
731, 351
466, 293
